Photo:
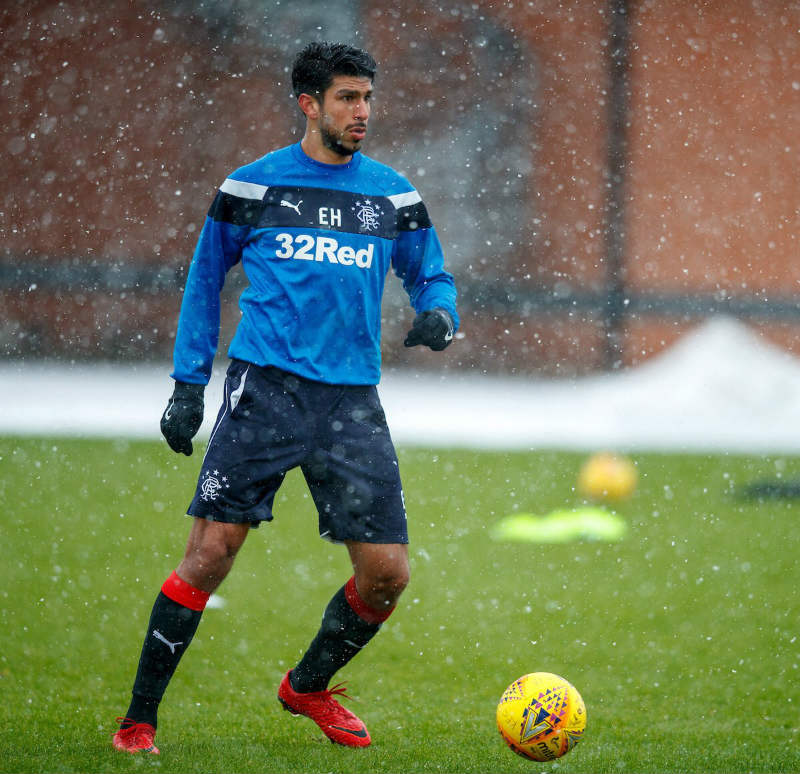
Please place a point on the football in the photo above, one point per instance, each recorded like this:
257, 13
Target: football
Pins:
541, 716
607, 476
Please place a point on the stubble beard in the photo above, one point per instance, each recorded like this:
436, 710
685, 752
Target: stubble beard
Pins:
332, 141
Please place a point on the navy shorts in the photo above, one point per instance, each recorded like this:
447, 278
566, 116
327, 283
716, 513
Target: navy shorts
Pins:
272, 421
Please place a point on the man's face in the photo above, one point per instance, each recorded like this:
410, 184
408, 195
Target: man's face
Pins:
344, 113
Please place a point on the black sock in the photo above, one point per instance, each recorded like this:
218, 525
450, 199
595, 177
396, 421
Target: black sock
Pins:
171, 629
342, 634
143, 709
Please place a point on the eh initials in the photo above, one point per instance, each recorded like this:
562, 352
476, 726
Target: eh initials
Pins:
330, 216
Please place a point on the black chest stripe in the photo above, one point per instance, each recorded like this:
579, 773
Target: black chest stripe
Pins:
320, 208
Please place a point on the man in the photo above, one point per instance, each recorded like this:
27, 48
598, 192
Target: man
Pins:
316, 226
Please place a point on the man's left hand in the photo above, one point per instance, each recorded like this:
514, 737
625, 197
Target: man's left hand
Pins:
433, 328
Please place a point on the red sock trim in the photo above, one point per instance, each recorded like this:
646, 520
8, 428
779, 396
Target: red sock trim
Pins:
178, 590
361, 608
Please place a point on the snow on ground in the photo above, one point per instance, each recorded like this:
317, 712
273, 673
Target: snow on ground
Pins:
719, 388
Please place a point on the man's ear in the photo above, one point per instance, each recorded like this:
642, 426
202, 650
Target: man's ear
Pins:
309, 105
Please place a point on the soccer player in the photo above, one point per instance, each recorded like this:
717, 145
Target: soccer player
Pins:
316, 227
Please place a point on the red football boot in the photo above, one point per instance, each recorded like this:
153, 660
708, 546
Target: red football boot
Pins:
337, 723
137, 737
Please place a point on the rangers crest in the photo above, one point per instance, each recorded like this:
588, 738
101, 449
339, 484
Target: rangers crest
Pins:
211, 485
368, 214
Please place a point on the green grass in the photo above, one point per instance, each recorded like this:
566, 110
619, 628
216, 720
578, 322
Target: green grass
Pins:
683, 638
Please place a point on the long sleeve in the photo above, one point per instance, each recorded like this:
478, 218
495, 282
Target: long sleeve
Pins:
218, 249
419, 263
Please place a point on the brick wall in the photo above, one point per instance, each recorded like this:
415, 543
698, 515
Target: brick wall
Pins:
121, 119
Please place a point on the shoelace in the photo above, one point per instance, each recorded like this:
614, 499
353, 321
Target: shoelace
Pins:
119, 721
330, 706
339, 690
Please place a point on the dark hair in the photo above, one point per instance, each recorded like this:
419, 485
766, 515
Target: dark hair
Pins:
315, 66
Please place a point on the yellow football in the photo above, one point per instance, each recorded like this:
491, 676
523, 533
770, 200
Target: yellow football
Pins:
607, 476
541, 716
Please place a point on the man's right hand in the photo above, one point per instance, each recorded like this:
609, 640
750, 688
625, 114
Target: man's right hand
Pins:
183, 416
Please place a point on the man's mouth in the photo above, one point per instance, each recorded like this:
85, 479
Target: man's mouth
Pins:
358, 132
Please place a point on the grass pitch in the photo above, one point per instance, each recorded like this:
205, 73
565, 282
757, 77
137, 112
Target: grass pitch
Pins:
682, 638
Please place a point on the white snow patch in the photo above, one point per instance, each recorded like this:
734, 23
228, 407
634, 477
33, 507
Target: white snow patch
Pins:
720, 387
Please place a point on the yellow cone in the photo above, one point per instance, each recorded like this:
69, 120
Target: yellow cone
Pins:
563, 526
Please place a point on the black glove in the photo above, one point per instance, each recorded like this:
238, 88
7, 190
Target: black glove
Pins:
182, 417
433, 328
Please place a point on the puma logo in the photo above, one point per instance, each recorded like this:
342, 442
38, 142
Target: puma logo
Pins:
171, 645
295, 207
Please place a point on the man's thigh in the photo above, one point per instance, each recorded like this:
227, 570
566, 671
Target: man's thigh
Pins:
259, 435
354, 475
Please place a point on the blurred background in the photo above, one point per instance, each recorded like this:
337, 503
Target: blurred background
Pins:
604, 175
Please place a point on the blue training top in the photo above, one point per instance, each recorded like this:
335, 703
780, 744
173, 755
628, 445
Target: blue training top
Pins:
316, 242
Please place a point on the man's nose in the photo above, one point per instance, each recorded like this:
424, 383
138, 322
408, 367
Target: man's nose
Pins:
361, 110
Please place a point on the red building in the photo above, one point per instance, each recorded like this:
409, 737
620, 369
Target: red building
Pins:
519, 123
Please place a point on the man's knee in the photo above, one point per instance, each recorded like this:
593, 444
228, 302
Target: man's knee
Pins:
210, 551
214, 554
381, 572
381, 585
396, 578
389, 585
